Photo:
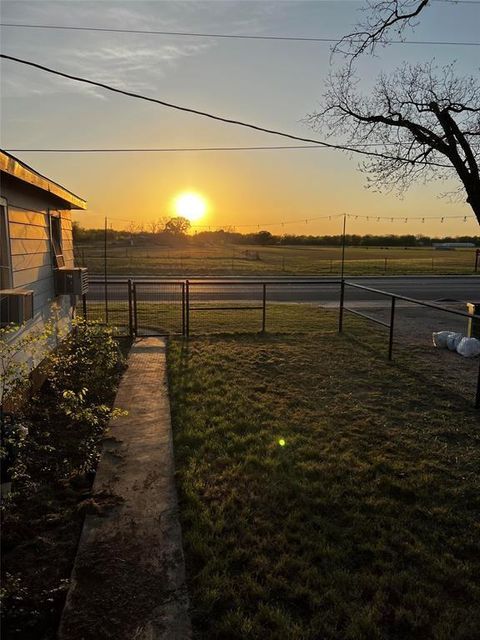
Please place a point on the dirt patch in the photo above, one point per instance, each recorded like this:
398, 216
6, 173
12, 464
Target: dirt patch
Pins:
413, 345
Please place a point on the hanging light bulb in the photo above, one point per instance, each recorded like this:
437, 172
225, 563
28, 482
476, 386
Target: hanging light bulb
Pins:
464, 218
423, 219
442, 219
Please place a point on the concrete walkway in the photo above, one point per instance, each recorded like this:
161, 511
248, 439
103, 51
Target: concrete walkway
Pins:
129, 578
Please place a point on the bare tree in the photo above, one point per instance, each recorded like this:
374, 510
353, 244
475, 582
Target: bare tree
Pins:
424, 120
381, 18
156, 226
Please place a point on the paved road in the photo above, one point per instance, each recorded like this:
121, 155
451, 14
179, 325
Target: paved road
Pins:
281, 289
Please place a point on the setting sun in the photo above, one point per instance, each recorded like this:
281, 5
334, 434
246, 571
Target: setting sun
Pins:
191, 206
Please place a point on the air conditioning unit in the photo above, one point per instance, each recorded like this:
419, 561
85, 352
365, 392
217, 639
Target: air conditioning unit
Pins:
71, 281
16, 306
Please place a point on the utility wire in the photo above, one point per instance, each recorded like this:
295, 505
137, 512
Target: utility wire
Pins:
165, 149
195, 34
182, 149
218, 118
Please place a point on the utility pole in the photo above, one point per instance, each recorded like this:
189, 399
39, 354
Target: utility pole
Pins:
105, 270
343, 244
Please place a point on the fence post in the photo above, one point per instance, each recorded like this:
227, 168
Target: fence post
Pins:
130, 309
187, 316
84, 305
135, 315
183, 308
385, 268
392, 323
340, 311
264, 307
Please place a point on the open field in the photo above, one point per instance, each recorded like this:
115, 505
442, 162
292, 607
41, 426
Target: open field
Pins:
324, 492
273, 260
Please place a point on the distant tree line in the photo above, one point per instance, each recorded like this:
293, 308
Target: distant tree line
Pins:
176, 232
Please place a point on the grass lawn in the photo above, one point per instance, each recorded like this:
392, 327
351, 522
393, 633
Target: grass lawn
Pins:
167, 318
272, 260
324, 493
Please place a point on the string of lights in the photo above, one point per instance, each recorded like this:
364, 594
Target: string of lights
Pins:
299, 221
348, 216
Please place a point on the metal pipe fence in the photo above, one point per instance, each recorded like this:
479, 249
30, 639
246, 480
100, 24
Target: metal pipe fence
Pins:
391, 324
186, 307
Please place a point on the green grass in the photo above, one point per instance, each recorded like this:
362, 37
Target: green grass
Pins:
167, 318
363, 526
273, 260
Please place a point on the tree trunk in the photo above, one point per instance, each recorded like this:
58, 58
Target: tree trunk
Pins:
473, 198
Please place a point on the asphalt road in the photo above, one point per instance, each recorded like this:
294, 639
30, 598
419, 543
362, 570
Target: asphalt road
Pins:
281, 289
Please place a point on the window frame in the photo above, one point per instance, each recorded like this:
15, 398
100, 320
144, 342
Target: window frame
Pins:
5, 243
56, 244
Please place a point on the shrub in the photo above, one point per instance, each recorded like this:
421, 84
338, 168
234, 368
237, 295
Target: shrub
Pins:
59, 433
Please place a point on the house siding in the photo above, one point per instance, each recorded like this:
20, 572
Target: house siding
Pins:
32, 260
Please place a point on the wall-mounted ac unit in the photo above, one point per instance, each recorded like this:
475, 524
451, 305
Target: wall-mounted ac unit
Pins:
71, 281
16, 306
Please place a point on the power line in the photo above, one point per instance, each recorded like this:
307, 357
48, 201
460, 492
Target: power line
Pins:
166, 149
195, 34
217, 118
181, 149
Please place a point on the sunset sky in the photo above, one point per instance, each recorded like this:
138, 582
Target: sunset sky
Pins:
270, 83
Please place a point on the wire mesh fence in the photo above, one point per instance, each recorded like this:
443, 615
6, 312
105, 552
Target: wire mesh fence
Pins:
158, 307
222, 307
108, 302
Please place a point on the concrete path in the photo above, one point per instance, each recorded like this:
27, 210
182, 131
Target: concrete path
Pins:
129, 578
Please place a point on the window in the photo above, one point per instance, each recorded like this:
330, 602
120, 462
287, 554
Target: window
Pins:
5, 261
56, 237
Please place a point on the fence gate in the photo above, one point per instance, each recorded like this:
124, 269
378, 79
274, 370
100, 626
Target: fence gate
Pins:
157, 307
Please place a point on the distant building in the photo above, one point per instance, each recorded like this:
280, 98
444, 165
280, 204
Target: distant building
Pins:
37, 276
448, 246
